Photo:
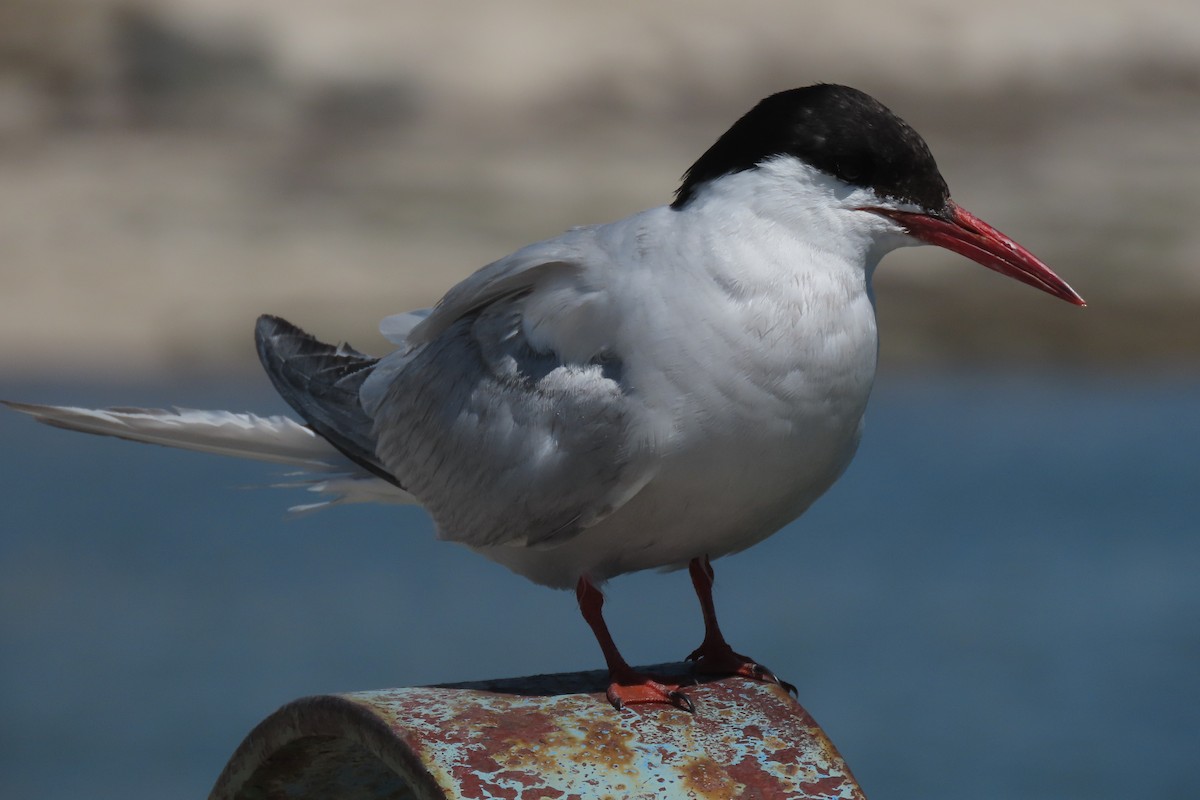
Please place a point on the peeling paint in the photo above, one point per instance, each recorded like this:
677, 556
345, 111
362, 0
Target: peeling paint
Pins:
550, 737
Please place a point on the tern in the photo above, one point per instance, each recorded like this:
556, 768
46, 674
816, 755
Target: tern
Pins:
655, 392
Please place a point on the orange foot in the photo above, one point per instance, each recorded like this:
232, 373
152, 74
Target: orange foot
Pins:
714, 656
629, 687
719, 659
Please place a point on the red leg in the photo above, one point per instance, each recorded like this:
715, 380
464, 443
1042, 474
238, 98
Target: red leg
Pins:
627, 686
714, 655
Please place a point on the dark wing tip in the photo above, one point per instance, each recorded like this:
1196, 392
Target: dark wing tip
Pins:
321, 382
269, 325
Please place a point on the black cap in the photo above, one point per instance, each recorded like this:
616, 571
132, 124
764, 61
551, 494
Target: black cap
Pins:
841, 131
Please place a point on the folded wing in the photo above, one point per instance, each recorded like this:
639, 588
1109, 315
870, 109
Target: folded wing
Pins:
508, 420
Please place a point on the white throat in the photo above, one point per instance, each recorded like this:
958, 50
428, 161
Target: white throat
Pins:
785, 198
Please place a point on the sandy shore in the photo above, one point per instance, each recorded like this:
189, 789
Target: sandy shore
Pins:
173, 173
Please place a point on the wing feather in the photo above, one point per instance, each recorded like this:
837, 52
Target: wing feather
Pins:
504, 437
512, 274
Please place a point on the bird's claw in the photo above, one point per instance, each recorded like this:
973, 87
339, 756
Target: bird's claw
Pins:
681, 700
637, 689
761, 673
717, 660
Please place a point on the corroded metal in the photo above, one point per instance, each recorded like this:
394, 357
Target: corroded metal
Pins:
544, 737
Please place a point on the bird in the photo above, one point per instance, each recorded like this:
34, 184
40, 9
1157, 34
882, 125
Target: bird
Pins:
651, 393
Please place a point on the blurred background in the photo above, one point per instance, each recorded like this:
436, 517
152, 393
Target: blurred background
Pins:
1000, 599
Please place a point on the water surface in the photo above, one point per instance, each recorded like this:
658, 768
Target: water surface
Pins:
1001, 599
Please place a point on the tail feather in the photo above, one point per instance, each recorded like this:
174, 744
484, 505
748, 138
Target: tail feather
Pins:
278, 439
320, 381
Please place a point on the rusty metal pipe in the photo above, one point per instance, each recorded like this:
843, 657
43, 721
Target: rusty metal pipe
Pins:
546, 736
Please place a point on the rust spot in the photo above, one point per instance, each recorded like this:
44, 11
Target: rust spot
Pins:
605, 744
477, 786
707, 778
829, 786
750, 772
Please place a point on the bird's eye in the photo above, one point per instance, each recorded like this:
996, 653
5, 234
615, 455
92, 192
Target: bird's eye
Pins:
852, 168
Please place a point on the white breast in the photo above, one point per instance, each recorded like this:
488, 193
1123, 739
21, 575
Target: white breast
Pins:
755, 356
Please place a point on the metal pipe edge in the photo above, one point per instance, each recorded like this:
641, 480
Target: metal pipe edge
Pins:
541, 737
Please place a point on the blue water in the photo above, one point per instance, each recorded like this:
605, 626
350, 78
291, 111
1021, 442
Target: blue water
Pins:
1001, 599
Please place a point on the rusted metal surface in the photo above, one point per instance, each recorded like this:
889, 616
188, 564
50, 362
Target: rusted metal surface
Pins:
548, 737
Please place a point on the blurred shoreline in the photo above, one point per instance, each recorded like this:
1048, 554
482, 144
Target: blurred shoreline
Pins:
174, 168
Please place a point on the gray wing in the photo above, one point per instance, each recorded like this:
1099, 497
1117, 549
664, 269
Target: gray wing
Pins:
513, 274
504, 441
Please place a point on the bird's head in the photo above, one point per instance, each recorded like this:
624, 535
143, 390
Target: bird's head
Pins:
842, 147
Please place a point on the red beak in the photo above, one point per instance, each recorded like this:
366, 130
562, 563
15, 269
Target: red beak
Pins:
968, 235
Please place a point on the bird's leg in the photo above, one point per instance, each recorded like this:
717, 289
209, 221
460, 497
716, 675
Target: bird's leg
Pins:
627, 686
714, 655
